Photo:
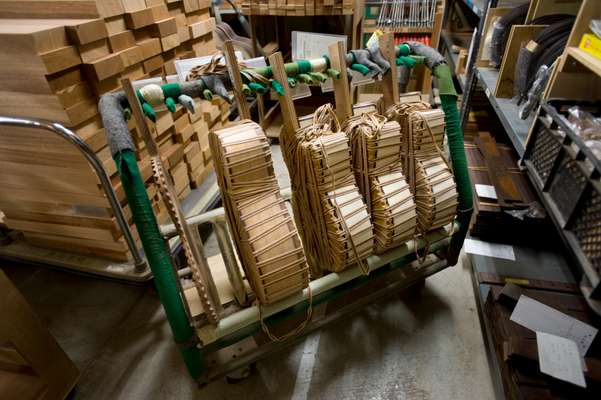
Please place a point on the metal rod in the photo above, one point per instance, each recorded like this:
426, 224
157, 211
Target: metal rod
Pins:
105, 181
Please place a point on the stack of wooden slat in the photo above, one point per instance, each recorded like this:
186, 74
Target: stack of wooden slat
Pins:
296, 7
56, 69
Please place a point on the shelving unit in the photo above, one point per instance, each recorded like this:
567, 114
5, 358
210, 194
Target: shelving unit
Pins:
507, 110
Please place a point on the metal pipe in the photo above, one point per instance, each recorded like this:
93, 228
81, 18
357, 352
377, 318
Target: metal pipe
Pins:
105, 181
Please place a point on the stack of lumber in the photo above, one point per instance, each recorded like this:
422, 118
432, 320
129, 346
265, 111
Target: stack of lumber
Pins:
55, 67
505, 203
296, 7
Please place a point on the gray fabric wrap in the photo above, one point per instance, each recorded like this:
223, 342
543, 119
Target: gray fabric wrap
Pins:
115, 125
432, 57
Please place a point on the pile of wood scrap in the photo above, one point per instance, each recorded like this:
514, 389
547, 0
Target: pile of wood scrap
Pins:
505, 204
55, 65
516, 349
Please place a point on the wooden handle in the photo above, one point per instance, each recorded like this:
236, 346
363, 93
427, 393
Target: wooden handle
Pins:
390, 82
232, 67
344, 108
288, 112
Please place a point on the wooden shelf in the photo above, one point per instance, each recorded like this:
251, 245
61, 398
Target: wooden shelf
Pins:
588, 60
406, 29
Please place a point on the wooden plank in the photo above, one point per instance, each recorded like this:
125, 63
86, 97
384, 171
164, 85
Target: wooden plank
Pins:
342, 94
60, 59
105, 67
291, 124
234, 72
121, 41
390, 86
88, 31
48, 9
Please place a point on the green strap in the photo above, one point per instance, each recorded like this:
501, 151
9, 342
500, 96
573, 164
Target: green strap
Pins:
304, 66
360, 68
333, 73
257, 87
305, 78
291, 82
318, 76
277, 86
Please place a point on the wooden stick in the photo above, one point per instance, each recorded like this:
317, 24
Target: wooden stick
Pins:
389, 80
288, 112
143, 130
176, 212
344, 108
234, 71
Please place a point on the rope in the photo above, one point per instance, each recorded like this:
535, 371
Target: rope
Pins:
323, 186
299, 327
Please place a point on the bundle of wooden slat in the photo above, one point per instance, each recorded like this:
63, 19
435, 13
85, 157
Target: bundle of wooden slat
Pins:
266, 238
56, 69
425, 165
330, 212
296, 7
377, 161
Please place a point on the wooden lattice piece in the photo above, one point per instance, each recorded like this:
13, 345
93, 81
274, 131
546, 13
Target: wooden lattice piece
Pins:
333, 219
377, 148
266, 237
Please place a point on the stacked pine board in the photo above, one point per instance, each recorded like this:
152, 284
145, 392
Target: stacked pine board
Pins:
296, 7
55, 66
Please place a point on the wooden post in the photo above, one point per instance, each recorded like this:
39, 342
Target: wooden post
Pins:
291, 124
344, 108
232, 67
199, 262
390, 82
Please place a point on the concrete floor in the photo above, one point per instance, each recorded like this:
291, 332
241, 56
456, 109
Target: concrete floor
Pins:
426, 346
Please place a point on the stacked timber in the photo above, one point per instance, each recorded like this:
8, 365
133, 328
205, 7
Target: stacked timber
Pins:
296, 7
55, 66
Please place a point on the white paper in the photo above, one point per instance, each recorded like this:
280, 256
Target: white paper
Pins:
540, 317
487, 191
496, 250
308, 45
559, 357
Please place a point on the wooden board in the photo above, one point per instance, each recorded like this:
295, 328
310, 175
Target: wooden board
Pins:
491, 17
519, 36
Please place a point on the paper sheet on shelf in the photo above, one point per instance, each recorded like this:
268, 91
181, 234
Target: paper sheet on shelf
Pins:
486, 191
540, 317
488, 249
560, 358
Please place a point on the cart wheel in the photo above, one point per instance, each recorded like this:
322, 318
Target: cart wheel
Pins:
240, 374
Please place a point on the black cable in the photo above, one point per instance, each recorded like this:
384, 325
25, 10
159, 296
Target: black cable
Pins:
501, 29
550, 44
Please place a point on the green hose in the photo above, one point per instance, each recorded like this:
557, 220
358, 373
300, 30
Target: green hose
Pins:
159, 260
448, 100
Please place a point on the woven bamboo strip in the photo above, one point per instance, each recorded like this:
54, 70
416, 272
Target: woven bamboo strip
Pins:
266, 238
